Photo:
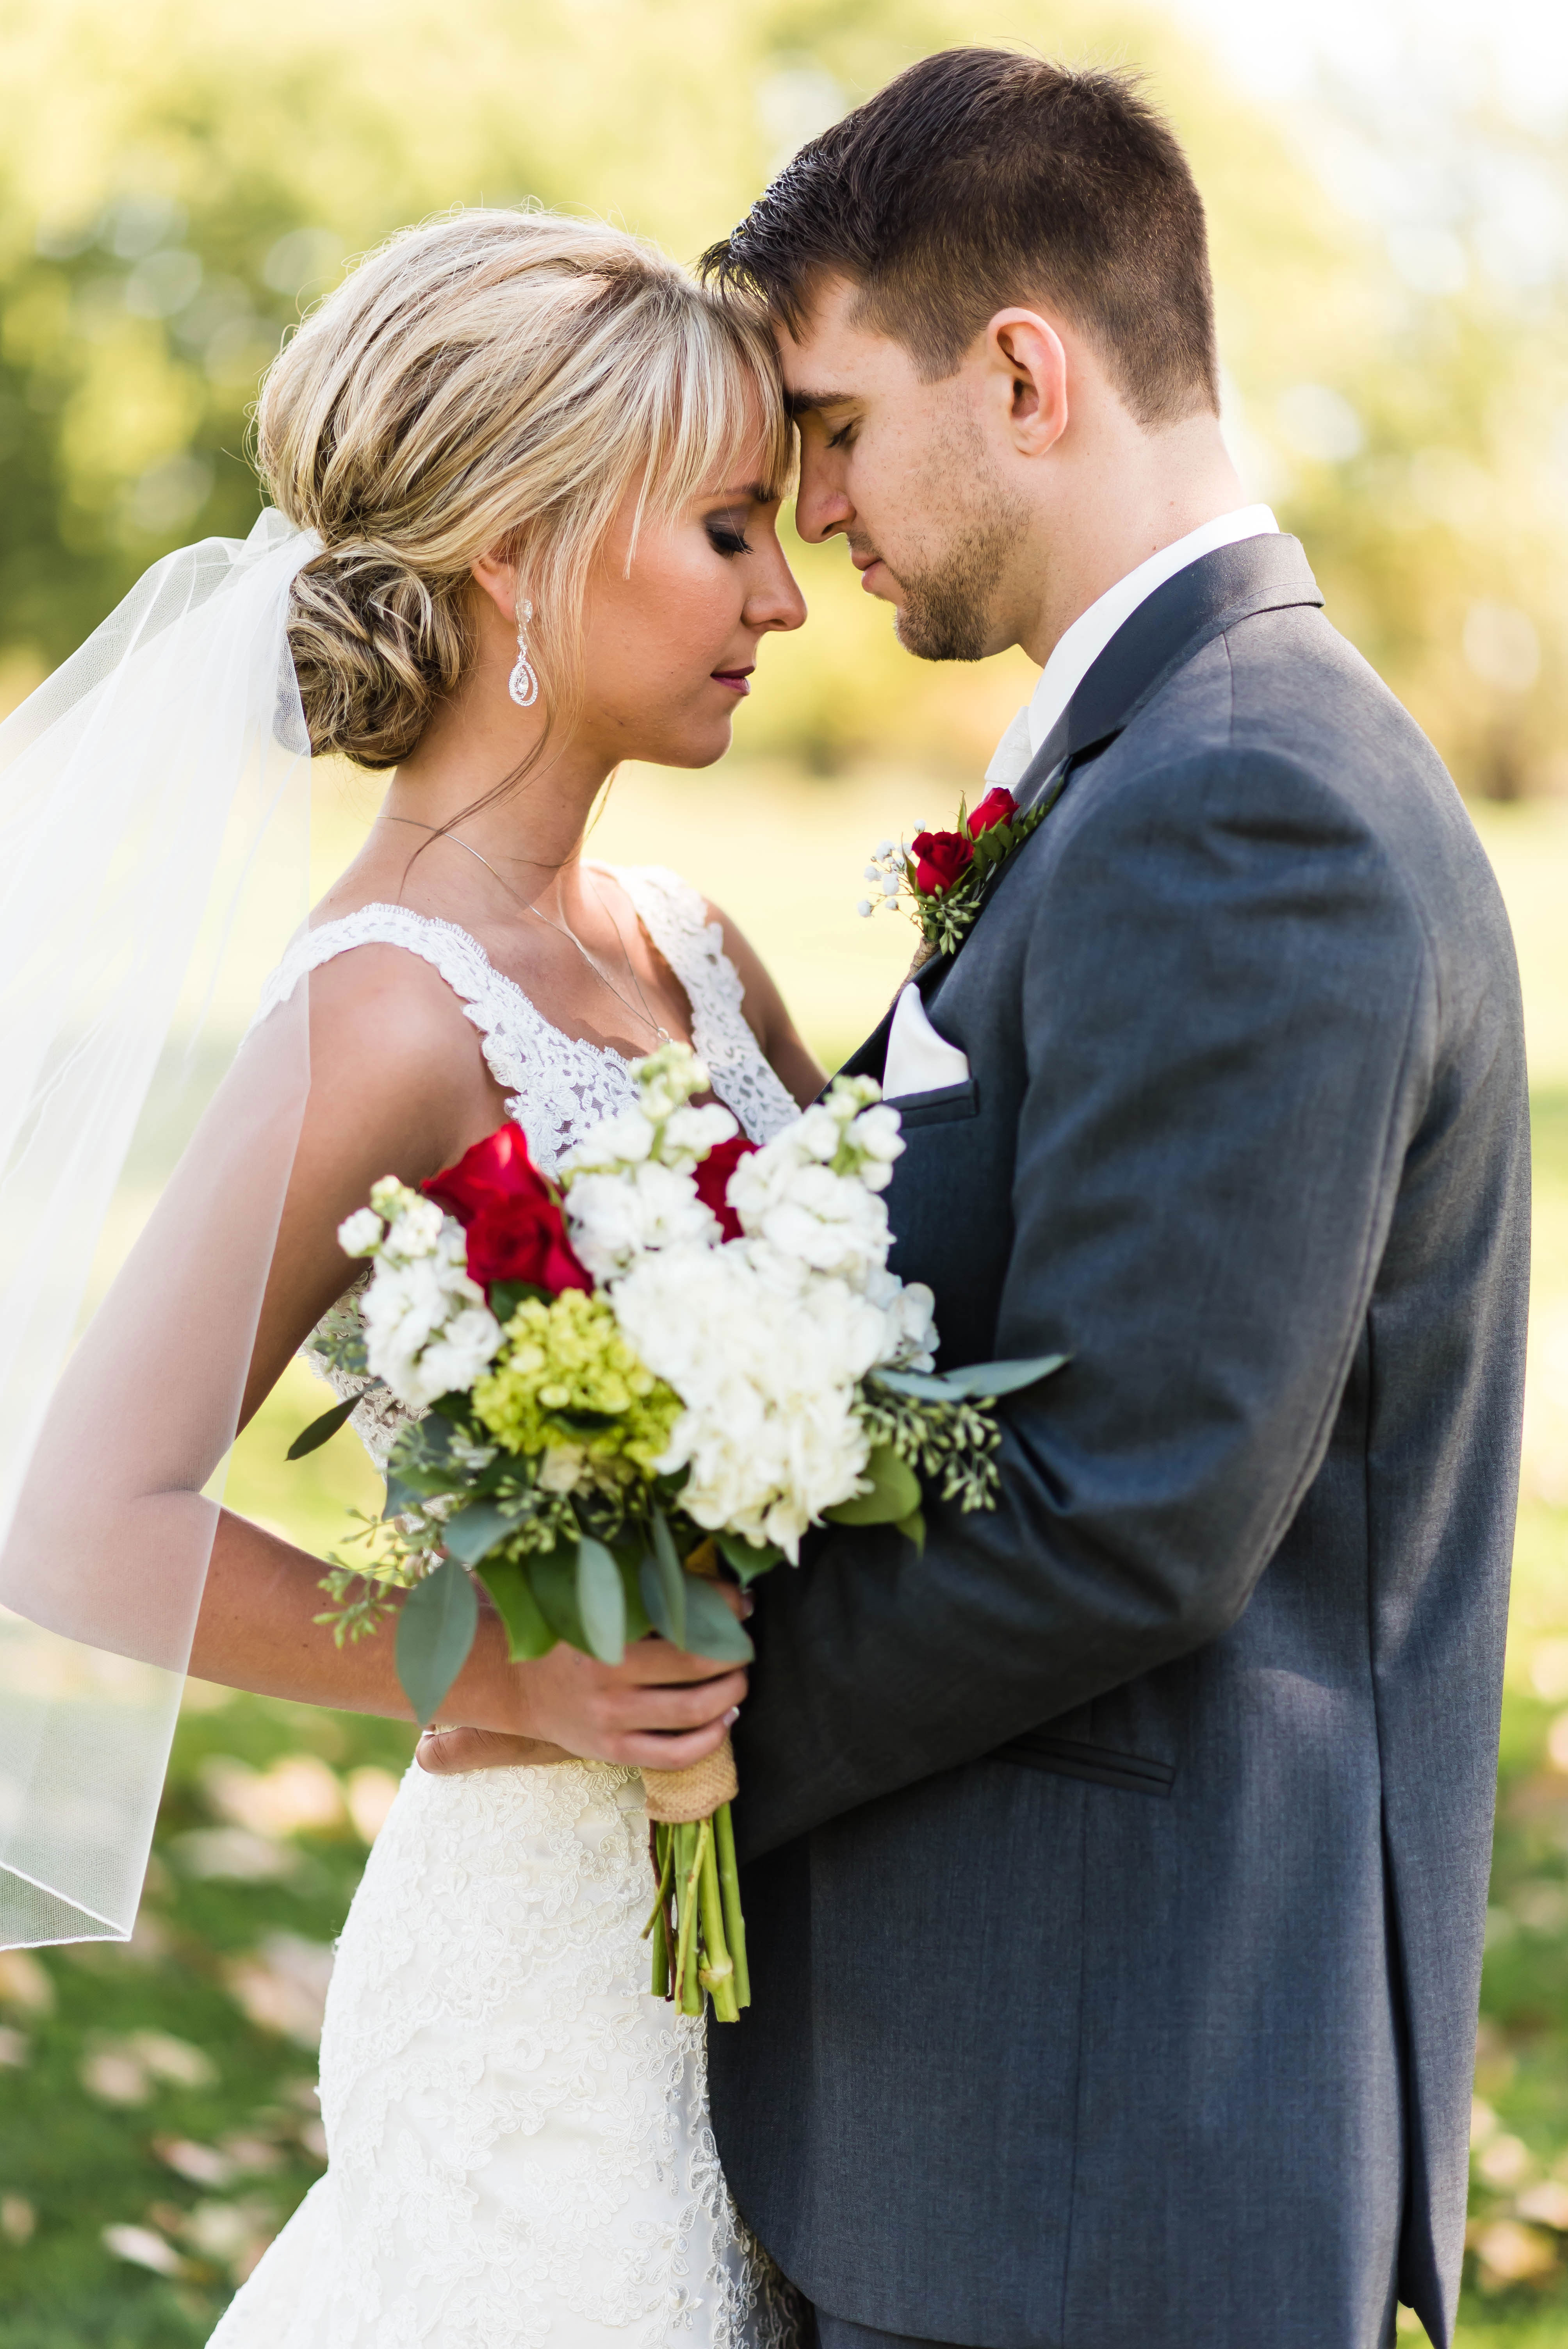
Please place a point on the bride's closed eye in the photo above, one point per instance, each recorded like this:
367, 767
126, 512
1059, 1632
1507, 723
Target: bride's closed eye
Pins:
726, 536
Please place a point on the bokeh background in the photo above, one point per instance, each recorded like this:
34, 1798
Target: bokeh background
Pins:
1388, 194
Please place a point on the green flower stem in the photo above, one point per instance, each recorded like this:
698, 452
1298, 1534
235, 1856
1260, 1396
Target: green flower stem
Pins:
692, 1841
719, 1974
664, 1865
729, 1885
661, 1841
688, 1993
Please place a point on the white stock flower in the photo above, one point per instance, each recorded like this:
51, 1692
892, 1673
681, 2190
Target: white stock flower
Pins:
788, 1195
623, 1141
614, 1218
766, 1359
413, 1229
360, 1234
829, 1221
461, 1350
691, 1133
908, 1311
428, 1330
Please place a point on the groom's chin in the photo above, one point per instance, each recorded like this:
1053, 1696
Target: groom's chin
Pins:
939, 636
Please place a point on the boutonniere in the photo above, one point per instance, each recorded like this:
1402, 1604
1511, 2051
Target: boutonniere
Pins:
944, 877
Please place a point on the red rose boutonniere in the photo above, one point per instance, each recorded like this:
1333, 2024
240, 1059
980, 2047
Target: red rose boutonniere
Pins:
944, 876
510, 1216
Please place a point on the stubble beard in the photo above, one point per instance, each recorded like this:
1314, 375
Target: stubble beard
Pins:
947, 610
950, 603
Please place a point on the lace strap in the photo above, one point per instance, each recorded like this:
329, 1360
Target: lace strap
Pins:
675, 917
496, 1005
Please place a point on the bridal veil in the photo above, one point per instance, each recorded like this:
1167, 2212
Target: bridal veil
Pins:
154, 861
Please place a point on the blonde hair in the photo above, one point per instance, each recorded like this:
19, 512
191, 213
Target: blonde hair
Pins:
496, 381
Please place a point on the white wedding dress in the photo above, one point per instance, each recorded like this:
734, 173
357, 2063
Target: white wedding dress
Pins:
519, 2153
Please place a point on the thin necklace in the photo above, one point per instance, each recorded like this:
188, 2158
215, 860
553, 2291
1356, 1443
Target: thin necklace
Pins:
563, 929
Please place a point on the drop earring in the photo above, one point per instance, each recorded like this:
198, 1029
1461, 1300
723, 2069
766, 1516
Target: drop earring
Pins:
522, 685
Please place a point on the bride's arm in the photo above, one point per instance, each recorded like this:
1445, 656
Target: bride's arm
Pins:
398, 1086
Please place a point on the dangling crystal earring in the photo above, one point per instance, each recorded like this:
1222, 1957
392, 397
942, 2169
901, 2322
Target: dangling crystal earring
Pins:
522, 685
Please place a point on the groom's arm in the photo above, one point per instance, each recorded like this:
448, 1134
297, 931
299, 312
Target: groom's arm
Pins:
1228, 1018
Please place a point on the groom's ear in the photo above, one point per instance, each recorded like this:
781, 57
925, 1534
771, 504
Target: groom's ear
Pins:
1027, 367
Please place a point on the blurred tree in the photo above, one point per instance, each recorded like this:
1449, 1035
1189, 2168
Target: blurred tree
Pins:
180, 181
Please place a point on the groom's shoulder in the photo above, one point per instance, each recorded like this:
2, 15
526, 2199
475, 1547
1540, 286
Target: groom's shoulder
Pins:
1278, 733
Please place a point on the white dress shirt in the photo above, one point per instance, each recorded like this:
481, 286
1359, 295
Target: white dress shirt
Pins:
1078, 650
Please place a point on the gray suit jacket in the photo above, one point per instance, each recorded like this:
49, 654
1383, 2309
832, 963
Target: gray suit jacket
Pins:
1116, 1871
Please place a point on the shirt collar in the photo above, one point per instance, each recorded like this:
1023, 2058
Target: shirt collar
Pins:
1080, 646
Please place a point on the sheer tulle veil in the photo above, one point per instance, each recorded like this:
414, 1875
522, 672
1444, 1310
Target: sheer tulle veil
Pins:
154, 861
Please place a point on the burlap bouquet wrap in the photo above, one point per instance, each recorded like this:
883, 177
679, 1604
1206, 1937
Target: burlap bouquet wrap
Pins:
680, 1796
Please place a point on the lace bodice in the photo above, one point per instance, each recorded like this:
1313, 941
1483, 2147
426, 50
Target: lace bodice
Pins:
557, 1087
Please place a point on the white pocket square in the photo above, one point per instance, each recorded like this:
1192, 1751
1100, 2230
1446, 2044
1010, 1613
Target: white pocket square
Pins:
918, 1060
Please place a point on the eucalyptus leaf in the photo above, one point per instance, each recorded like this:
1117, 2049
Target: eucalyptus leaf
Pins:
656, 1598
401, 1495
894, 1492
639, 1622
527, 1635
553, 1578
322, 1430
711, 1629
746, 1560
924, 1385
436, 1627
601, 1601
672, 1579
475, 1531
975, 1379
993, 1380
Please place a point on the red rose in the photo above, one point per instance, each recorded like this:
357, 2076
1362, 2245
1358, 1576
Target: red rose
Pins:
510, 1215
712, 1178
939, 858
998, 806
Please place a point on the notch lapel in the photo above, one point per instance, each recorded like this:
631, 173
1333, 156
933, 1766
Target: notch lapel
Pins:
1256, 574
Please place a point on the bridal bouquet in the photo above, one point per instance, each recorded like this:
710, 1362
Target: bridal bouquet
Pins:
660, 1372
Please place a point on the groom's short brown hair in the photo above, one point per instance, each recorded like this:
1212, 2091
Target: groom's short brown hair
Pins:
979, 179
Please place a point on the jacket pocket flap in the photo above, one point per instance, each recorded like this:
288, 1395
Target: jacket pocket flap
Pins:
1103, 1765
937, 1107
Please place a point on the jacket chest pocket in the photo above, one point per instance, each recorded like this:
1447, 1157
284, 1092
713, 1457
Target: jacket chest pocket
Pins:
941, 1107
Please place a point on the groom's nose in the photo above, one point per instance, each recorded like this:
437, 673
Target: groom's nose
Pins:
823, 503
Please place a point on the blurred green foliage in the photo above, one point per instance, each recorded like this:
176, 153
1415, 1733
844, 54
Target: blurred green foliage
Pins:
179, 179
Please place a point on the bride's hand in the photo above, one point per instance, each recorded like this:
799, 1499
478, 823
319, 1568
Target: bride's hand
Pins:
658, 1709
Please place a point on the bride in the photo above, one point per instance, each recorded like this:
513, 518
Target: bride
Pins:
543, 468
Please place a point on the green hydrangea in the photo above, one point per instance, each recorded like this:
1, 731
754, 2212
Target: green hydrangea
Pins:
567, 1359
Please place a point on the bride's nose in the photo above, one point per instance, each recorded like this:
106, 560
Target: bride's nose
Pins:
775, 601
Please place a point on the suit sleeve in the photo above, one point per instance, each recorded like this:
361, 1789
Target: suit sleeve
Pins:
1227, 1020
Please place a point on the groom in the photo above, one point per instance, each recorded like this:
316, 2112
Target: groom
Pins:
1116, 1868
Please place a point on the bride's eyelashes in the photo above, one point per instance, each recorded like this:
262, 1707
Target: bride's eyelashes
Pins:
726, 536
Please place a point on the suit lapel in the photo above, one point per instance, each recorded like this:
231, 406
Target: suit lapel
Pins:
1256, 574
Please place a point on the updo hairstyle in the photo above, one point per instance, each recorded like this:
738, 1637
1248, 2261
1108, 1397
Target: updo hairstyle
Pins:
493, 382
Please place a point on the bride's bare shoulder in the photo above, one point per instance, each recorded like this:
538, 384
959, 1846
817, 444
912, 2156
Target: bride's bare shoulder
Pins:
389, 1034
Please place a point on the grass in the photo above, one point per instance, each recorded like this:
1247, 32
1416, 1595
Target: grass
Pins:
167, 2087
